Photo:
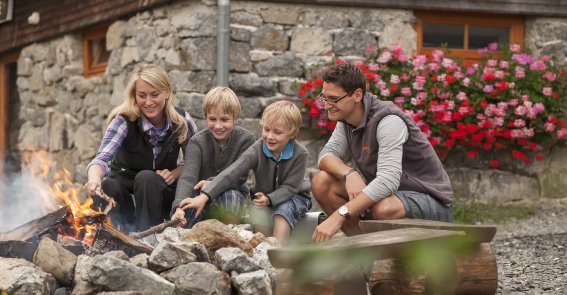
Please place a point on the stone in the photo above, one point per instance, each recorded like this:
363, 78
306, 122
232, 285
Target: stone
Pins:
168, 255
32, 138
288, 86
270, 37
54, 259
199, 53
114, 35
252, 107
205, 278
193, 81
261, 254
52, 74
250, 84
202, 23
231, 259
25, 65
192, 103
314, 41
118, 255
251, 283
328, 18
245, 18
256, 239
21, 277
140, 260
36, 78
117, 275
287, 64
57, 132
113, 67
402, 34
241, 33
284, 15
239, 57
214, 235
68, 49
260, 55
130, 55
353, 42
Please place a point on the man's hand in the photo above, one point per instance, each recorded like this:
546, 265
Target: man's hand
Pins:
328, 228
197, 202
179, 215
201, 184
167, 176
261, 200
91, 187
354, 184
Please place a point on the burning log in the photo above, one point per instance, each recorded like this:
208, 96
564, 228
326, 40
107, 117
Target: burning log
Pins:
35, 227
109, 238
154, 229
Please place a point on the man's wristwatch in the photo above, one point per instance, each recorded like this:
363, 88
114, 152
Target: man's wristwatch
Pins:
343, 211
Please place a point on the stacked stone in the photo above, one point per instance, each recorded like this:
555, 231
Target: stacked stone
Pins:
211, 258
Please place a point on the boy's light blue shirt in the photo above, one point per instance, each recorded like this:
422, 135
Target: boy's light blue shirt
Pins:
286, 154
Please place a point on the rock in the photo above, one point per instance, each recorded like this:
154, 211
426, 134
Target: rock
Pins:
20, 276
117, 275
140, 260
81, 285
169, 255
231, 259
214, 235
54, 259
198, 278
251, 283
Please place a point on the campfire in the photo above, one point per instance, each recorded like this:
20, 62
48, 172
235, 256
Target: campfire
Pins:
70, 218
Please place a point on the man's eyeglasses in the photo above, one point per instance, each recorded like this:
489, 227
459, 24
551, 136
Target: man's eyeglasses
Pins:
333, 99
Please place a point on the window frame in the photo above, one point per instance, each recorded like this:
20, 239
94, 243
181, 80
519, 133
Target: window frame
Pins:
90, 68
516, 24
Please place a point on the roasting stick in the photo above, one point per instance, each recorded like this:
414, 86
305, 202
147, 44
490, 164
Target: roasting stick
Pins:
110, 200
154, 229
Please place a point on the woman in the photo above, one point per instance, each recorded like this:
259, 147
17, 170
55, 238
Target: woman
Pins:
140, 149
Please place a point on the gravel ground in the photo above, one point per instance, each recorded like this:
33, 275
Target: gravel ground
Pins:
531, 253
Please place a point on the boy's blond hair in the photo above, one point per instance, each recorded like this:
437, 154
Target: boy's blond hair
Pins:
223, 98
286, 112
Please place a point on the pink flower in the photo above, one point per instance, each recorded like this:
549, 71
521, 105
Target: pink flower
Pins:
461, 96
513, 102
491, 63
406, 91
370, 49
399, 100
549, 127
547, 91
493, 46
515, 47
385, 57
488, 88
518, 123
520, 73
562, 133
504, 64
385, 92
550, 76
394, 79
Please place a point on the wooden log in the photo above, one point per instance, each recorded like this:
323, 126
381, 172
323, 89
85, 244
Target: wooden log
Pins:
469, 273
17, 249
474, 233
109, 238
35, 227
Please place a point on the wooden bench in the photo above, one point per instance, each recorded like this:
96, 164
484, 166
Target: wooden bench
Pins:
406, 256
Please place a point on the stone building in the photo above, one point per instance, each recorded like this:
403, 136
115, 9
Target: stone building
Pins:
63, 66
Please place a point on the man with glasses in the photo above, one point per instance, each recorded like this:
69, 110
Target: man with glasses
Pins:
396, 173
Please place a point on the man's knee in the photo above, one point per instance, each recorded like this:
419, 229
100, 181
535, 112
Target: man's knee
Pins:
321, 183
388, 208
145, 176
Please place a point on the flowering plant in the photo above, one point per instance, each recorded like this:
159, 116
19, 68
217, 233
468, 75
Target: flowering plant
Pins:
515, 103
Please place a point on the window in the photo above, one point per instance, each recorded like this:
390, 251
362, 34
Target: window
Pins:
464, 33
95, 55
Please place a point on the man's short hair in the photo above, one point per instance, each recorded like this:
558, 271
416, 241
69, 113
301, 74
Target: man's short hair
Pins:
287, 112
223, 98
347, 76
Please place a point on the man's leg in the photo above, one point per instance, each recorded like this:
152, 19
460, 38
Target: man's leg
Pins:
150, 191
391, 207
330, 193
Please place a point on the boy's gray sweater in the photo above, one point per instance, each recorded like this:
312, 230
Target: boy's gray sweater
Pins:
277, 180
206, 159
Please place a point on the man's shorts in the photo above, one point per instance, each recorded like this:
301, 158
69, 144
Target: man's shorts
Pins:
293, 209
420, 206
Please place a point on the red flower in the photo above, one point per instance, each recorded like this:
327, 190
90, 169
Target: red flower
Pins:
450, 79
449, 142
319, 82
498, 145
331, 125
313, 112
494, 163
518, 155
472, 154
393, 88
539, 157
527, 161
487, 146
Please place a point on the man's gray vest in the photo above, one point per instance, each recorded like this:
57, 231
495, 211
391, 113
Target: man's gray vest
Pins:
422, 170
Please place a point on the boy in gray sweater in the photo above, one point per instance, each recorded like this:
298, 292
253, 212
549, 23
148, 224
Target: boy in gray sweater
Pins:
209, 152
278, 162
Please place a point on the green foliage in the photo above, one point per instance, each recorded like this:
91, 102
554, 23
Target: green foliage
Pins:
473, 212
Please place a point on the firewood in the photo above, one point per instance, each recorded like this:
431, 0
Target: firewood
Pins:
154, 229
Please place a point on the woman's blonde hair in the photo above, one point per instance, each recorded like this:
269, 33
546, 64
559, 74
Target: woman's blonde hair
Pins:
224, 98
285, 112
157, 78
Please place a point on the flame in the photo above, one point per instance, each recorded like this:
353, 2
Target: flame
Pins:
62, 191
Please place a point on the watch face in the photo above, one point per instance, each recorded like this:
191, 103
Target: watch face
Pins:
343, 210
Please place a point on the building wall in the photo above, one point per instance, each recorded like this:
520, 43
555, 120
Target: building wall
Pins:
272, 46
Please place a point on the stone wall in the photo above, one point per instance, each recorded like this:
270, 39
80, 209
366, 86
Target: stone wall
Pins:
272, 46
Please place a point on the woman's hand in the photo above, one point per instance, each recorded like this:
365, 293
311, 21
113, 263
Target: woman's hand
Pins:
197, 202
179, 215
167, 176
261, 200
201, 184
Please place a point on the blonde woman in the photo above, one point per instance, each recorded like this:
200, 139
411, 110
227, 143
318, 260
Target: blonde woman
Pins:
139, 151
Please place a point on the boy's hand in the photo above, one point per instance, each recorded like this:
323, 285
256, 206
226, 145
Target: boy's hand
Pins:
201, 184
180, 215
261, 200
198, 203
166, 175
